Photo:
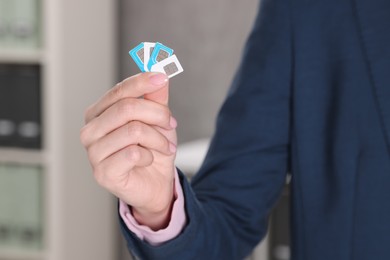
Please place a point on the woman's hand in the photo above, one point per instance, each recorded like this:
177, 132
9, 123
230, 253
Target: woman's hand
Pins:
131, 145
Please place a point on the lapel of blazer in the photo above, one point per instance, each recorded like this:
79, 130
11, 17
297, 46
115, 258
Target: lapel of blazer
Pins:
373, 17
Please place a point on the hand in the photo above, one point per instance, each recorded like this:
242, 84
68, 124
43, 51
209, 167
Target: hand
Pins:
131, 145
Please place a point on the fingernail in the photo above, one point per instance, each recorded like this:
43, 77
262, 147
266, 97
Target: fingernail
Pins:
172, 148
158, 79
173, 122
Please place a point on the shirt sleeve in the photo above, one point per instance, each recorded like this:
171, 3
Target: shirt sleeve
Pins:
155, 238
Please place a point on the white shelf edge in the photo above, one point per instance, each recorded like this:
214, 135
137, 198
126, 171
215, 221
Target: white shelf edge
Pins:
13, 254
21, 55
23, 156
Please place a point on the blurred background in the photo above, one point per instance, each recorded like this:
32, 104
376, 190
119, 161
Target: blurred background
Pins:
56, 58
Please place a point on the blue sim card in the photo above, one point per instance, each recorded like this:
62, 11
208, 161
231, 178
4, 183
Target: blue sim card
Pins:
160, 53
138, 56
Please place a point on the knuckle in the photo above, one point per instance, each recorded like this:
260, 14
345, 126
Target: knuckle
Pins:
87, 114
165, 115
127, 106
117, 91
133, 154
84, 133
135, 129
92, 154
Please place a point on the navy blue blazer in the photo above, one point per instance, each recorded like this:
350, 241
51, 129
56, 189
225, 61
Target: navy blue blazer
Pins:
311, 97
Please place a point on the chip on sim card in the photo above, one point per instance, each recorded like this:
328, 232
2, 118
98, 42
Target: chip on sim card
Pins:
160, 53
170, 66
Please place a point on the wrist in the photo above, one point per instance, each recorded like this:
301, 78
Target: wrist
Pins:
155, 220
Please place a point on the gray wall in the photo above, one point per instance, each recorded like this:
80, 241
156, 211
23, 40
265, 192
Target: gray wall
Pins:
207, 36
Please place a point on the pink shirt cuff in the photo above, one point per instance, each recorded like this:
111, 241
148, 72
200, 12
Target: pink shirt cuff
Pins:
175, 226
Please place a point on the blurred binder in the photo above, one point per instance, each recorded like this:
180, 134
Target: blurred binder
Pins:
27, 207
4, 22
7, 109
28, 111
20, 106
6, 195
24, 24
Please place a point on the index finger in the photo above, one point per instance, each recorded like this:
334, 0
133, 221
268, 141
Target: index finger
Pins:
132, 87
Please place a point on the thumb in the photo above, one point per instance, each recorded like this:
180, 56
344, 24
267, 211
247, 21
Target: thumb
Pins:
160, 96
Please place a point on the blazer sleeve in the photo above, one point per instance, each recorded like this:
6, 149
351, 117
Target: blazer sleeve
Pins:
230, 199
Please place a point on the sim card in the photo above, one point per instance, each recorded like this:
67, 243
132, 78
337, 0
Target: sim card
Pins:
156, 57
148, 50
170, 66
160, 53
138, 55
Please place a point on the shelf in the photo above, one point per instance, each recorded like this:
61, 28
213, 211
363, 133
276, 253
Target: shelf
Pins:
20, 155
21, 255
20, 56
70, 71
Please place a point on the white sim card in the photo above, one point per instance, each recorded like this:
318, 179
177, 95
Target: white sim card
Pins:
170, 66
148, 49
